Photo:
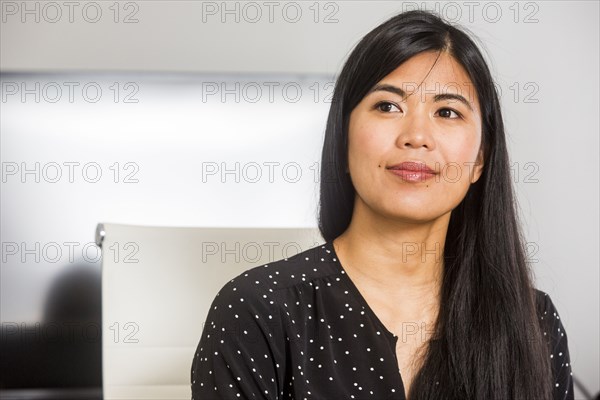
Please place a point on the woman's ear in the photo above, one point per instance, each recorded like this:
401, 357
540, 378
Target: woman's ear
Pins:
478, 167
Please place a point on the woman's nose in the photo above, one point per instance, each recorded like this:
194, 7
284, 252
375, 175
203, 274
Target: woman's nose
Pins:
415, 130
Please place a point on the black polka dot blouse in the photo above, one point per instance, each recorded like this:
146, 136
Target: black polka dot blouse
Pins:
299, 328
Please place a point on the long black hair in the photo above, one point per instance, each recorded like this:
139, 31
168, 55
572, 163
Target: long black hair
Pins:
487, 342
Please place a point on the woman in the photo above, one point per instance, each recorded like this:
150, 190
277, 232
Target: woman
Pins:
422, 289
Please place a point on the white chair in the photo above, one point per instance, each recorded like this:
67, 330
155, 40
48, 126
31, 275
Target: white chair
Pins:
157, 286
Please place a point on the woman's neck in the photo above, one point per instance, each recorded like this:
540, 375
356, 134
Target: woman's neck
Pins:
402, 260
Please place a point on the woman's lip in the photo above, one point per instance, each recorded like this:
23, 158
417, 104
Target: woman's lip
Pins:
412, 176
419, 166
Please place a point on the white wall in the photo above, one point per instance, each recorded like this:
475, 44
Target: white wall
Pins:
295, 37
547, 71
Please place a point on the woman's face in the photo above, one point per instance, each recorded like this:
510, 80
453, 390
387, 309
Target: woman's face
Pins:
386, 129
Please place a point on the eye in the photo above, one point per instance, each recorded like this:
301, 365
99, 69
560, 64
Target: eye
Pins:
446, 112
386, 107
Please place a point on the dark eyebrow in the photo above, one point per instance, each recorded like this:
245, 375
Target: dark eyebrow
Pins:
436, 98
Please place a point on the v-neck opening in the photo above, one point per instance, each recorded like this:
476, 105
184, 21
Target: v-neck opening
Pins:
392, 338
358, 295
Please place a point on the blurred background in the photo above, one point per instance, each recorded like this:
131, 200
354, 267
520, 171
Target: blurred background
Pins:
193, 113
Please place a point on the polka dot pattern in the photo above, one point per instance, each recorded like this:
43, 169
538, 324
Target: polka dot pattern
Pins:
556, 337
298, 328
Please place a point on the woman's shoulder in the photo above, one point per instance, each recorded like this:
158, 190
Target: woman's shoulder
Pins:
549, 316
552, 326
545, 306
541, 299
260, 284
555, 336
301, 267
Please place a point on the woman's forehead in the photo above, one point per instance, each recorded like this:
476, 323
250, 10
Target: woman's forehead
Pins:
432, 75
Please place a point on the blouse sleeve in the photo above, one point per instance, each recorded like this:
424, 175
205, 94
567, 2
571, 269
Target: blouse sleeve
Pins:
241, 347
556, 335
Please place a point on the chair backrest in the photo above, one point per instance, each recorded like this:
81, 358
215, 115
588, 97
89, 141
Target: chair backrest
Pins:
157, 286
